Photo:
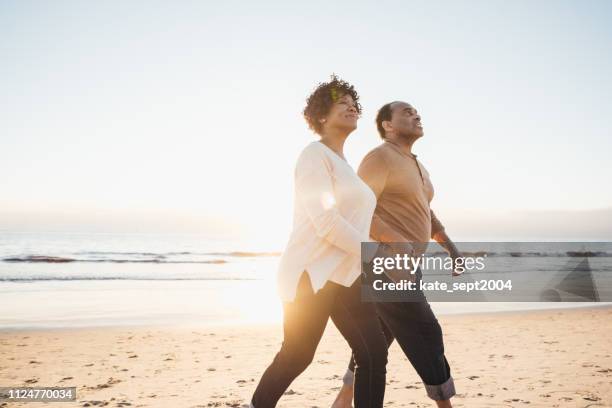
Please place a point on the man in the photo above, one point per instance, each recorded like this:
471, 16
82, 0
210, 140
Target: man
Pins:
404, 192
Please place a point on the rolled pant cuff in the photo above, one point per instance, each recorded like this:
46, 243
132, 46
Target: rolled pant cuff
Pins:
349, 378
442, 391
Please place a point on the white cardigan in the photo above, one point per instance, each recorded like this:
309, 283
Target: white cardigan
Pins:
332, 216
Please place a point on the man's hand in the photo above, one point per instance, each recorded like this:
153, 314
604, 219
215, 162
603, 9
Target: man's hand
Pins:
444, 240
455, 267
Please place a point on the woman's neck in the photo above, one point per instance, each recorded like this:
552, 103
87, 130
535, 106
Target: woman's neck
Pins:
335, 141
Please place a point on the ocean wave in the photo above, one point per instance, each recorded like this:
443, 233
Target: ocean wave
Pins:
188, 257
57, 259
39, 258
240, 254
120, 278
171, 257
530, 254
236, 254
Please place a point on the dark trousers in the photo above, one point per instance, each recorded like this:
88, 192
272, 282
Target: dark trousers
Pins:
304, 322
417, 331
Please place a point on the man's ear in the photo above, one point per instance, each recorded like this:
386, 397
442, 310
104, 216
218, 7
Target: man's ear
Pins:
386, 124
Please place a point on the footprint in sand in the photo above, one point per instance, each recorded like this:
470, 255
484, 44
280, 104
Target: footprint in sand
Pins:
518, 400
291, 392
111, 381
94, 403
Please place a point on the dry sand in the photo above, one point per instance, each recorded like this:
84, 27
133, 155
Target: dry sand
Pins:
530, 359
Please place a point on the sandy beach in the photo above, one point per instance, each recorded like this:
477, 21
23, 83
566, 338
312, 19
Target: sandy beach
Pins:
559, 358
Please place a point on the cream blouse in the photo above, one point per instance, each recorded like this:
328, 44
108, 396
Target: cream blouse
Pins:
332, 216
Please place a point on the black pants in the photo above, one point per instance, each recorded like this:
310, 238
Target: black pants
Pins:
417, 331
304, 322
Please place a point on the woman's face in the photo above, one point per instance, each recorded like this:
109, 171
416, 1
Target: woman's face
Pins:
342, 115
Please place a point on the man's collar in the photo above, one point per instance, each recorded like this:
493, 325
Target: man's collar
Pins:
399, 149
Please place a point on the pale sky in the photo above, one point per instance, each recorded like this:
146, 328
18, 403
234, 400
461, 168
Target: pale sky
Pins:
193, 108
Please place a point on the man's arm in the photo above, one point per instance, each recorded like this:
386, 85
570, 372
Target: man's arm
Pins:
439, 235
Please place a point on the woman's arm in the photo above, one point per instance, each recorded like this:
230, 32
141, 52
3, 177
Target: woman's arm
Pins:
314, 188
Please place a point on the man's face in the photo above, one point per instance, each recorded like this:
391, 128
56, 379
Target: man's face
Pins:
405, 121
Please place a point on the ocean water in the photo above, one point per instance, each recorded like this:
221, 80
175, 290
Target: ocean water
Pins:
52, 280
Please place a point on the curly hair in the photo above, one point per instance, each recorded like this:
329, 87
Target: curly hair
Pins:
320, 101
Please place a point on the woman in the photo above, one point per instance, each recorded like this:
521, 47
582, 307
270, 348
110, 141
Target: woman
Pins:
320, 268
